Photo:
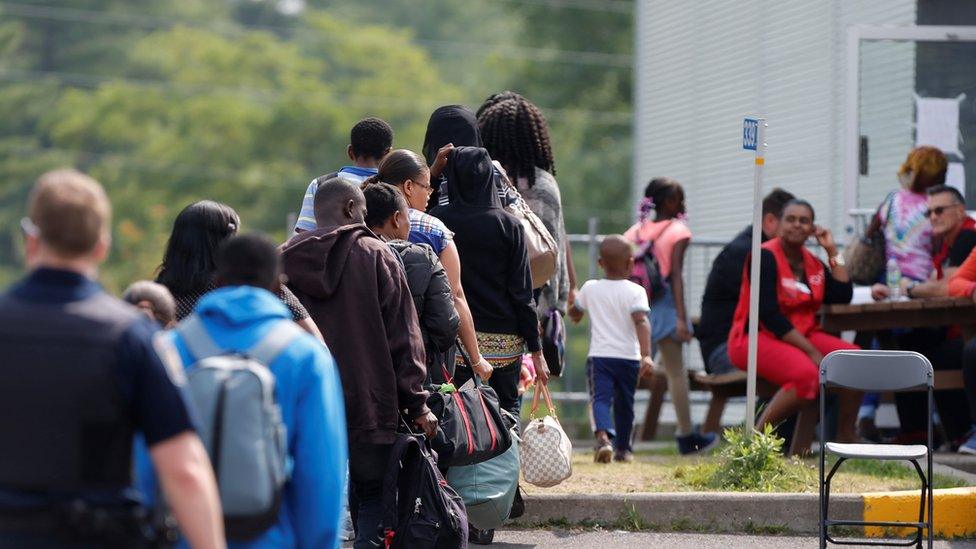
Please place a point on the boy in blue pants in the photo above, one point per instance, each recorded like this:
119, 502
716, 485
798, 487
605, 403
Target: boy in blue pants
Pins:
620, 347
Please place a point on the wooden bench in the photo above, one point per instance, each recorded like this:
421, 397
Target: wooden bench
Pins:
722, 387
733, 384
834, 318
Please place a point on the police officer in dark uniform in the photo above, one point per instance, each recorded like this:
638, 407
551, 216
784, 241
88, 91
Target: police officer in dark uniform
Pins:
79, 378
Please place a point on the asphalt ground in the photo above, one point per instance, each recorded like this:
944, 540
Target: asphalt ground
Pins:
525, 539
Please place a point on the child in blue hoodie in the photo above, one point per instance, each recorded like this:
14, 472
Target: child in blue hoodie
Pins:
236, 316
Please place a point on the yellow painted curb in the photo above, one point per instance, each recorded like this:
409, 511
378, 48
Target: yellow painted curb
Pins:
955, 511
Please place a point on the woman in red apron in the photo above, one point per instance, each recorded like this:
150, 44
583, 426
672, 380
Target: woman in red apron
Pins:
793, 286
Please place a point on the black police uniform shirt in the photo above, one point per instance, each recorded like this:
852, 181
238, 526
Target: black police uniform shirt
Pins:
159, 405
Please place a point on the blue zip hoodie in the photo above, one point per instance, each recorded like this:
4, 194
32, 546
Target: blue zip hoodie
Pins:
310, 395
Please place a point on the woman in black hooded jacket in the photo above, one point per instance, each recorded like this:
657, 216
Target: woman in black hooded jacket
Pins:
448, 127
494, 272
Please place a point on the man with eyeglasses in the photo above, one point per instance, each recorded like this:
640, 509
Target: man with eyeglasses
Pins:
953, 239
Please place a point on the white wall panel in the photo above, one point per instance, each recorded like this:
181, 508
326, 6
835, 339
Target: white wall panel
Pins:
702, 66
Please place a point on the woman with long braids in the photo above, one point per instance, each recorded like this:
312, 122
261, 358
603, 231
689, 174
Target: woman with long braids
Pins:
670, 326
516, 134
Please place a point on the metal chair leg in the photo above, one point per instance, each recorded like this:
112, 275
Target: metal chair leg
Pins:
931, 521
826, 501
822, 530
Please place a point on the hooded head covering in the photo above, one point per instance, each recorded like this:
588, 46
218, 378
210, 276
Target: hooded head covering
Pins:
450, 124
472, 177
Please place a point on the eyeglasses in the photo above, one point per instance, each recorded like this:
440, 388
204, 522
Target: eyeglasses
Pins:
939, 210
428, 187
28, 226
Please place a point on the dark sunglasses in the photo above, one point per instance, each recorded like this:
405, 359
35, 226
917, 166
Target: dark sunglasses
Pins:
939, 210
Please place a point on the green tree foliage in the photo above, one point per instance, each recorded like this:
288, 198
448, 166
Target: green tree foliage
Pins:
246, 119
172, 101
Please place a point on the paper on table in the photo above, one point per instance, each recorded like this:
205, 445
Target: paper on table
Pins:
956, 176
937, 123
862, 294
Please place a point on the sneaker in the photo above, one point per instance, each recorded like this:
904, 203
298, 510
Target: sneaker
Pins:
603, 454
623, 457
699, 443
480, 537
969, 446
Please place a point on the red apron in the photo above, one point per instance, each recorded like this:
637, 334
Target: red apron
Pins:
798, 301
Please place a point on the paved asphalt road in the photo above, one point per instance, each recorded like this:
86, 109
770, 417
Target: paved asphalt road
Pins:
526, 539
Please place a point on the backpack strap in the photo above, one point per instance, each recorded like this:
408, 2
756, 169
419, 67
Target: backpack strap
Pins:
403, 447
274, 342
197, 340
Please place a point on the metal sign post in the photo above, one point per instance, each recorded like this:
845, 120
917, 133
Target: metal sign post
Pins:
754, 139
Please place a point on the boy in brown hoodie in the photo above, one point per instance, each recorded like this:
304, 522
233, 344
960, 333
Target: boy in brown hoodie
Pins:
356, 292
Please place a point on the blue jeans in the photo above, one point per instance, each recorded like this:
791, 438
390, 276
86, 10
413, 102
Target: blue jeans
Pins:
613, 382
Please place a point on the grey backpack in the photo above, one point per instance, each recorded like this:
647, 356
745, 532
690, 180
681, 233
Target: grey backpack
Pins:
241, 424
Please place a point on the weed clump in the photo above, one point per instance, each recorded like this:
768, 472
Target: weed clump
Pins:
750, 464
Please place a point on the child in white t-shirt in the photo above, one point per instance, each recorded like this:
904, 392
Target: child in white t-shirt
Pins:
620, 347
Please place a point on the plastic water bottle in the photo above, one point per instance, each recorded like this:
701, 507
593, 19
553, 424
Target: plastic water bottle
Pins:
893, 278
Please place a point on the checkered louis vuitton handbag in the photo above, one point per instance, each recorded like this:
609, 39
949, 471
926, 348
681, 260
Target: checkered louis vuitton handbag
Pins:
546, 451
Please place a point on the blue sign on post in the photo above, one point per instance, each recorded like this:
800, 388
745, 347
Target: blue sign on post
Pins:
750, 134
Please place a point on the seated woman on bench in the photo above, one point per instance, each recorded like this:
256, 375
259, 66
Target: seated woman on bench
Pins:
793, 286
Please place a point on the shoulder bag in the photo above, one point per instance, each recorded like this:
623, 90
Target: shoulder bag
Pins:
865, 255
539, 243
471, 422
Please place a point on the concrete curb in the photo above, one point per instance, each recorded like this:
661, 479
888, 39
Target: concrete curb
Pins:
955, 511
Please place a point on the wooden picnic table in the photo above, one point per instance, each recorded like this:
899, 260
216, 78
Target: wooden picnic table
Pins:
887, 315
914, 313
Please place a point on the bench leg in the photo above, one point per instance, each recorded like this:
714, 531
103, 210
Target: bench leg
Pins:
713, 419
804, 431
659, 385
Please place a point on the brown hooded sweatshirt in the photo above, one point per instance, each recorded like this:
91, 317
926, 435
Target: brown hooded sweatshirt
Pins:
356, 292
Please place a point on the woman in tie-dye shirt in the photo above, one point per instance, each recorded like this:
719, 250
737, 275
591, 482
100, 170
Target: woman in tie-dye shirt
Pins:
908, 235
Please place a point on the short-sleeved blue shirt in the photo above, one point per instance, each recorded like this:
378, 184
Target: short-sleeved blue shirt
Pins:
159, 405
306, 217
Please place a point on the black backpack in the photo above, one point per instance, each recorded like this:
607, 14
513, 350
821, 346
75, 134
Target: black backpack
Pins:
420, 510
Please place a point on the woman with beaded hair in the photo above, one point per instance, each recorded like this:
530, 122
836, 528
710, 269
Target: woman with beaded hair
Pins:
516, 134
667, 232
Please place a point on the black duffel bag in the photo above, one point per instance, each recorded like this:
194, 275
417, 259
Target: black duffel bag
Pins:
471, 426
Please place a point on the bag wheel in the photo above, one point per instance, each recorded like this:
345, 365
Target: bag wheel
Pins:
518, 504
480, 537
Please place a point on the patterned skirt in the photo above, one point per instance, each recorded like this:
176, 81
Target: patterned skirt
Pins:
498, 349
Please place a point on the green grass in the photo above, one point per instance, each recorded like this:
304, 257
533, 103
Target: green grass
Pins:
741, 465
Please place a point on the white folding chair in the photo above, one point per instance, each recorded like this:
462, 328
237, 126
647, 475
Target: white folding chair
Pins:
876, 371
